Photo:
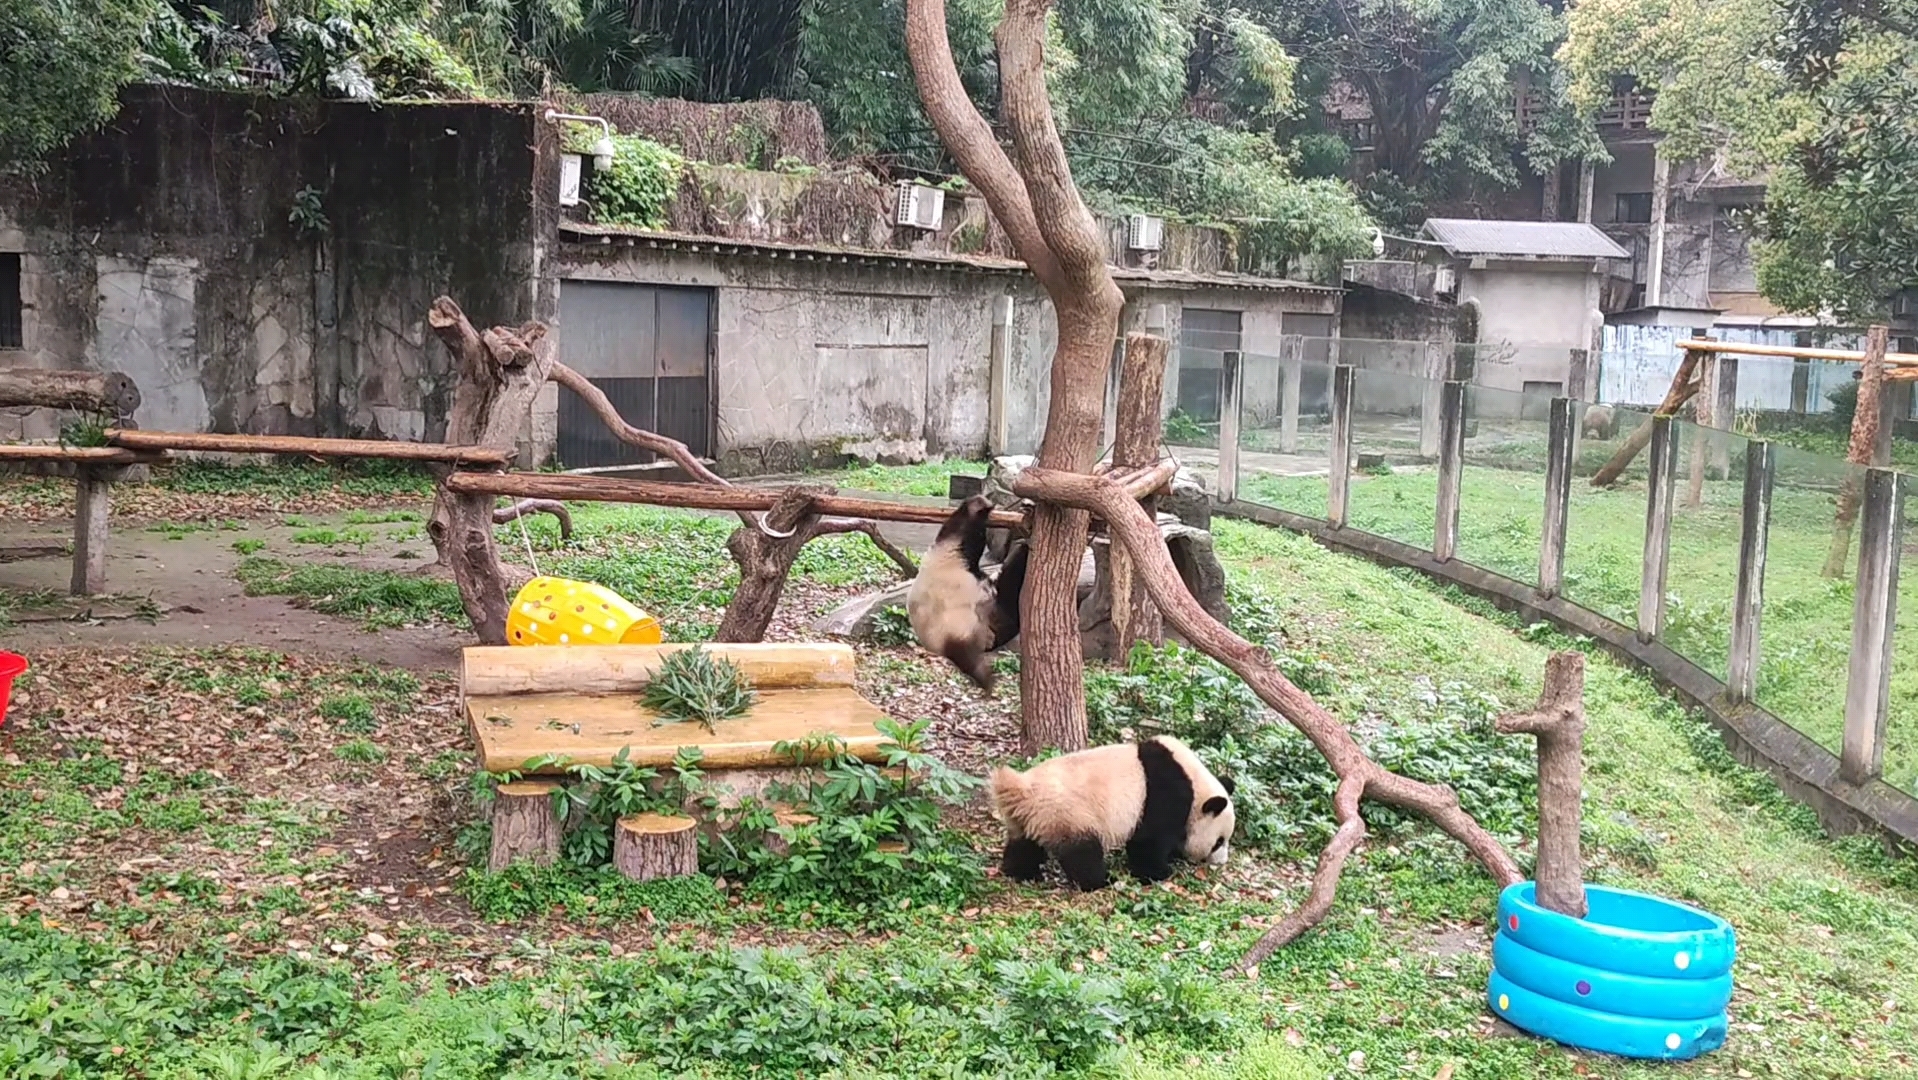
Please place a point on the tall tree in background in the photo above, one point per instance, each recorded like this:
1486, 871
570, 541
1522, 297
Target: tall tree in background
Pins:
1819, 99
61, 67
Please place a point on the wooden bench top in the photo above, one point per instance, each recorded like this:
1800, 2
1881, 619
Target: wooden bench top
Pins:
591, 729
79, 455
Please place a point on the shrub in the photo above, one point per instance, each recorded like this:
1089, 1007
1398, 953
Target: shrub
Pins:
639, 186
890, 626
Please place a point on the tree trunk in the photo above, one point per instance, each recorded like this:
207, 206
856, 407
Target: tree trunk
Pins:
1865, 423
1559, 725
526, 828
1039, 207
765, 552
82, 391
1684, 385
1702, 419
649, 846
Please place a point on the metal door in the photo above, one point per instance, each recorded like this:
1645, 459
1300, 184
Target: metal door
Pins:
648, 348
1205, 336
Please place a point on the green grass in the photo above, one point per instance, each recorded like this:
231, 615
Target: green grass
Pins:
1031, 982
380, 599
1806, 632
926, 478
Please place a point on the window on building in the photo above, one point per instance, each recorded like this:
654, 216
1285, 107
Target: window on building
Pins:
1632, 208
12, 308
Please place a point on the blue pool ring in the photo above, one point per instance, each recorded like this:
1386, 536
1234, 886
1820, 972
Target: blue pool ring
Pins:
1640, 976
1609, 991
1605, 1033
1630, 933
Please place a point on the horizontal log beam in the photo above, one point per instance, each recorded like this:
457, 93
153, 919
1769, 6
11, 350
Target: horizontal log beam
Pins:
385, 449
79, 455
695, 496
1790, 351
86, 391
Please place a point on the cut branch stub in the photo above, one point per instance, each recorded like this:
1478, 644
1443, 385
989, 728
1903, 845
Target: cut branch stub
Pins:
1558, 722
1130, 526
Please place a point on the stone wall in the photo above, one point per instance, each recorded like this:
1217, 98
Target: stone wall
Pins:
165, 246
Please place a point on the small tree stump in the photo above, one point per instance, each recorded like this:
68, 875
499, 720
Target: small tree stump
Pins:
525, 825
1558, 722
648, 846
791, 819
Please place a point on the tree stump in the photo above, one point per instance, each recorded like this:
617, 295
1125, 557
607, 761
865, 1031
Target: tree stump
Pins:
648, 846
791, 819
525, 825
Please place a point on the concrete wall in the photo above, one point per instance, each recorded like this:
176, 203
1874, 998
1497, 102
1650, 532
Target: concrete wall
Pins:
160, 246
1531, 316
817, 360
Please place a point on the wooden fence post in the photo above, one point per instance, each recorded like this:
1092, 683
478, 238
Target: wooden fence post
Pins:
1661, 481
1339, 488
1561, 434
1748, 604
1231, 411
1451, 468
1874, 616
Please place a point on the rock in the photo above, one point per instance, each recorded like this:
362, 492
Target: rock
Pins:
853, 619
961, 486
1187, 500
1000, 476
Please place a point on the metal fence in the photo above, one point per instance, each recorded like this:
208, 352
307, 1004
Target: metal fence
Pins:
1719, 546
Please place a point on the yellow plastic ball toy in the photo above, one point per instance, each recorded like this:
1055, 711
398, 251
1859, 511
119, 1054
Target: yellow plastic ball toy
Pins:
556, 611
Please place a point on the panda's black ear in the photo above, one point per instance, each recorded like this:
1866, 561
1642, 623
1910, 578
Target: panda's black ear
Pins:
1230, 787
1215, 806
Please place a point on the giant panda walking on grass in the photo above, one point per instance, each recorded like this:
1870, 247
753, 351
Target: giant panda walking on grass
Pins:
954, 609
1155, 799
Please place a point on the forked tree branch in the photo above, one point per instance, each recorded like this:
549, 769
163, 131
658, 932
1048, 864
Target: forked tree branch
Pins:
1070, 233
1129, 525
969, 139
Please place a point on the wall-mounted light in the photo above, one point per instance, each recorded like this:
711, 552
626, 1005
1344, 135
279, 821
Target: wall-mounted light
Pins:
603, 147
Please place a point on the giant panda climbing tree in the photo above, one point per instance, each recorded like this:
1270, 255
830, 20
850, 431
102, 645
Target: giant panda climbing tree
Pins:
1034, 198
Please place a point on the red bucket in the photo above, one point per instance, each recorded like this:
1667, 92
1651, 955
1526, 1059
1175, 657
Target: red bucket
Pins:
12, 665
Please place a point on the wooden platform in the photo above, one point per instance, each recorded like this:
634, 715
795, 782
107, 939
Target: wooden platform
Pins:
582, 702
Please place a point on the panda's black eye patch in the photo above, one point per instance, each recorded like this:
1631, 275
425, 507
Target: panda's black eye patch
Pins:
1219, 843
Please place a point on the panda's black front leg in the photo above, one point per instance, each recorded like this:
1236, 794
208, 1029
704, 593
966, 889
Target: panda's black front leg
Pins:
1149, 858
1084, 863
1024, 859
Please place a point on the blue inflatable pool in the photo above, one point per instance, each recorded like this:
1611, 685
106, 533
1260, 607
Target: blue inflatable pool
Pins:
1639, 976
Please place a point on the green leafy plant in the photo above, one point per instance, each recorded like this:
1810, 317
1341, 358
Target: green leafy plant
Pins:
602, 795
693, 684
1182, 427
639, 185
85, 432
891, 626
874, 847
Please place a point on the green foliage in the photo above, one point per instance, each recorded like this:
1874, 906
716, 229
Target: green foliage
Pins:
61, 69
601, 795
381, 599
360, 50
639, 187
693, 684
1181, 427
523, 891
87, 432
1844, 404
891, 626
847, 863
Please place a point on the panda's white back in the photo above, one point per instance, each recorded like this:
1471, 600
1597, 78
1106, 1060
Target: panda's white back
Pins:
946, 601
1100, 791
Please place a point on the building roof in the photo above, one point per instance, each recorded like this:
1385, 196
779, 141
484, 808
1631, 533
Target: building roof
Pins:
584, 233
1466, 237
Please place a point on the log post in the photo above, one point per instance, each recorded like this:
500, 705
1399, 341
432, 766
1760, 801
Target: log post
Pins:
649, 846
1558, 722
526, 827
92, 503
499, 372
1865, 423
102, 392
1139, 430
765, 552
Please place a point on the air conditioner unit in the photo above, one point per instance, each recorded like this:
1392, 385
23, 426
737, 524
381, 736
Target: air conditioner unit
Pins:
920, 206
1143, 232
569, 170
